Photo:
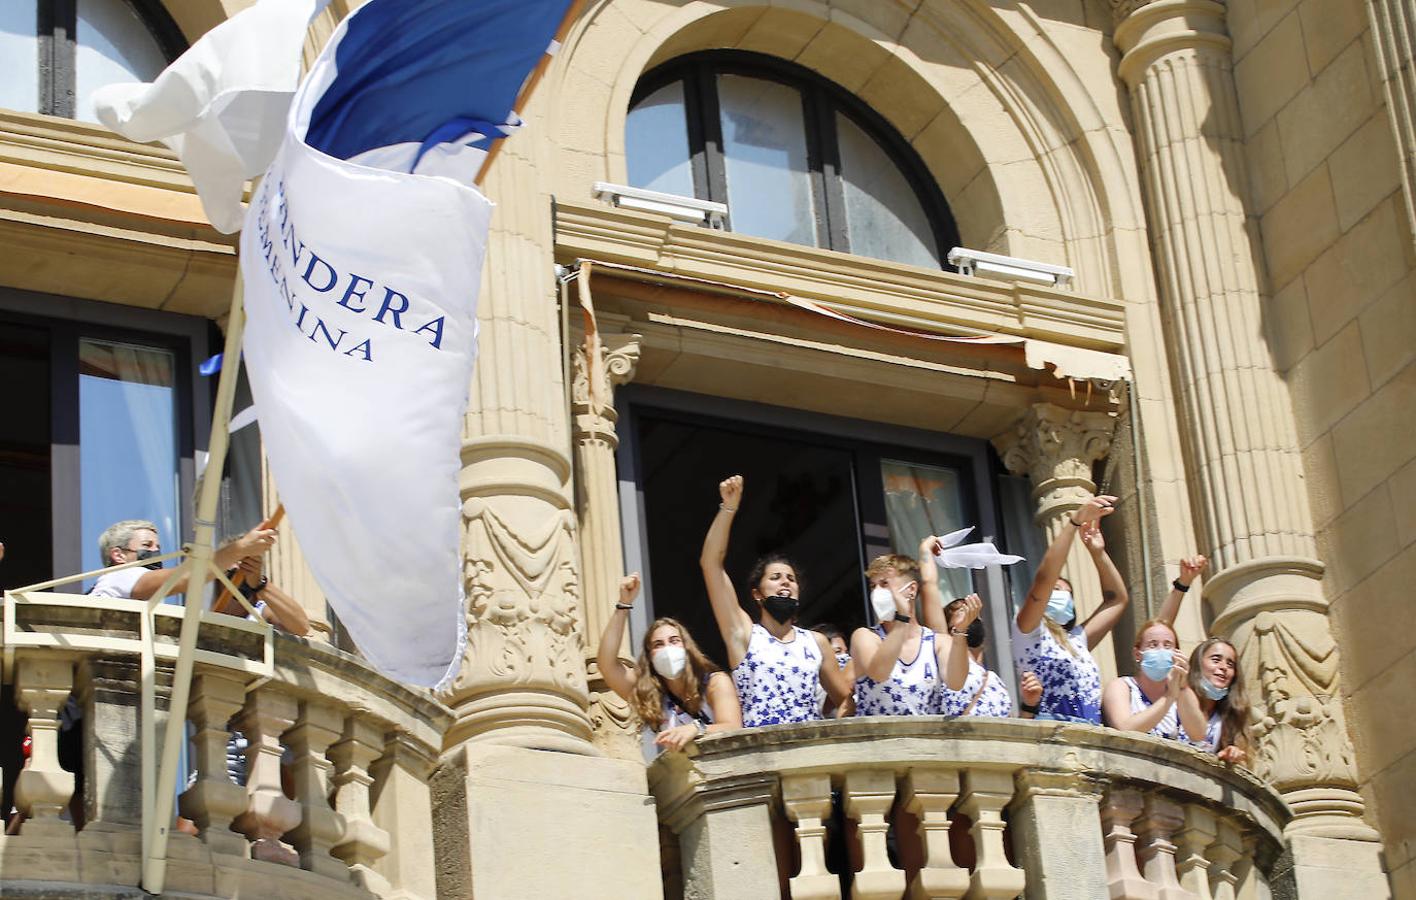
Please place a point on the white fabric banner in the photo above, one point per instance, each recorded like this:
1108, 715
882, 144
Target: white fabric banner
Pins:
361, 288
222, 105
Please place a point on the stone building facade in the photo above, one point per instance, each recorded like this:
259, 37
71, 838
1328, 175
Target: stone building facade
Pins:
1231, 184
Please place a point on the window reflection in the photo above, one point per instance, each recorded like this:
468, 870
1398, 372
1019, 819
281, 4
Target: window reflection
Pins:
19, 56
113, 46
884, 218
921, 501
656, 142
764, 148
127, 439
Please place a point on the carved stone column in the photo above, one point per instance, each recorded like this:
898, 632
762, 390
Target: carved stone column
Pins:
1055, 449
1055, 835
1238, 432
1394, 37
601, 553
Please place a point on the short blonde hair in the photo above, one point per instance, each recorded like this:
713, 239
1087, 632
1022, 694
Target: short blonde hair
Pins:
117, 536
904, 566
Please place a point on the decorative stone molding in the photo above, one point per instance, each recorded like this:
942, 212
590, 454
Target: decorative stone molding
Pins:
1394, 39
1239, 437
616, 729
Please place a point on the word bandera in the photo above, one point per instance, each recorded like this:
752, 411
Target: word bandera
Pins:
353, 292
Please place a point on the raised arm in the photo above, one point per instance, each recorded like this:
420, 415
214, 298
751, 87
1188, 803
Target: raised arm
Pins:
617, 675
1049, 569
956, 667
1191, 567
1114, 597
253, 543
733, 624
931, 598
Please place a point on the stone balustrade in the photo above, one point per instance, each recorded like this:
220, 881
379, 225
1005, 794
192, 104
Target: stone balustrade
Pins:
336, 760
949, 808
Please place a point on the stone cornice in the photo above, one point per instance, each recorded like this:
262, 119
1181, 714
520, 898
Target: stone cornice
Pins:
885, 292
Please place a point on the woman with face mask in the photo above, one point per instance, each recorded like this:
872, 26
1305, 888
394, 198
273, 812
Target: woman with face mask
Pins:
1217, 684
1048, 640
896, 663
1157, 700
677, 692
775, 664
970, 689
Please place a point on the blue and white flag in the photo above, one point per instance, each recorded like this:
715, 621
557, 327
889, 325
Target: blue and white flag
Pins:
361, 254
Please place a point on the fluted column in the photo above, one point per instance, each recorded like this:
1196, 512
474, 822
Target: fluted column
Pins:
1055, 449
522, 681
1239, 436
1394, 37
597, 501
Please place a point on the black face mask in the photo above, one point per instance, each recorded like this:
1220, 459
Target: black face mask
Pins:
976, 634
783, 609
149, 554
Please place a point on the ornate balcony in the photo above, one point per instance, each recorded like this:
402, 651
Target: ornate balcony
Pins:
337, 761
939, 808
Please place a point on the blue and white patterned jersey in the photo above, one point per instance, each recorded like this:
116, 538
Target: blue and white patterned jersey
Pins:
776, 680
1071, 685
912, 688
1169, 725
995, 702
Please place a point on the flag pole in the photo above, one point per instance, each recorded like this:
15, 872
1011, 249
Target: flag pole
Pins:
158, 811
532, 80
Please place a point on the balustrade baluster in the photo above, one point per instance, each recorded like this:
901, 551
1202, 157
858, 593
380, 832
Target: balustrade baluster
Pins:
929, 794
1155, 849
363, 842
807, 799
1201, 826
43, 789
319, 725
269, 813
985, 794
214, 801
1224, 856
1119, 810
869, 794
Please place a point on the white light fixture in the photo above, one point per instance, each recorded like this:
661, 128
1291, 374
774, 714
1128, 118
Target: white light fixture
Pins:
977, 262
685, 209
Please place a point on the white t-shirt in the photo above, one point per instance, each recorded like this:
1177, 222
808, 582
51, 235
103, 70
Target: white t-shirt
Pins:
118, 584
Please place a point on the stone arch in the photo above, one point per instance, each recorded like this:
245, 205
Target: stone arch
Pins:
987, 103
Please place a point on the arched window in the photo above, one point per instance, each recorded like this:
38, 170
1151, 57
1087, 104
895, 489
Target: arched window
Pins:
794, 157
55, 53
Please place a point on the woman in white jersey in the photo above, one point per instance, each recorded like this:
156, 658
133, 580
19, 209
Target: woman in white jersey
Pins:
677, 692
775, 664
897, 667
1157, 700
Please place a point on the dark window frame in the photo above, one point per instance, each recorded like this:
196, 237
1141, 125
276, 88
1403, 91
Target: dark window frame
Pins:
821, 100
67, 319
57, 33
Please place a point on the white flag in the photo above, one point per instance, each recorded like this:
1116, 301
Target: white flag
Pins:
954, 554
222, 106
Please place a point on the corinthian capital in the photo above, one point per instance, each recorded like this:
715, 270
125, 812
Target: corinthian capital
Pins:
593, 381
1055, 448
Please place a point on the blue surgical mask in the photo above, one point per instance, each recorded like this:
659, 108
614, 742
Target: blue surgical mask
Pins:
1212, 692
1157, 663
1060, 607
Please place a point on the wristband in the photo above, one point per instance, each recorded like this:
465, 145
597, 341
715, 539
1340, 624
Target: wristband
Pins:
249, 591
958, 632
624, 606
702, 729
901, 617
1074, 522
1182, 588
1028, 708
727, 508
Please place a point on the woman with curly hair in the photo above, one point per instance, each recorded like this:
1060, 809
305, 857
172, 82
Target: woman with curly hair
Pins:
677, 692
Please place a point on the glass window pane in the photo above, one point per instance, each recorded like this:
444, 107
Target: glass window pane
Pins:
19, 55
127, 440
1025, 538
884, 218
764, 143
656, 143
113, 45
922, 501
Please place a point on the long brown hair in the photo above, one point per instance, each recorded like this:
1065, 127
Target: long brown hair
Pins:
650, 688
1234, 708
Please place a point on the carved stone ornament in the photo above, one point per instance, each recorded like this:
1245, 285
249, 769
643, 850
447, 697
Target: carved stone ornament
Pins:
619, 356
523, 604
1055, 448
1298, 725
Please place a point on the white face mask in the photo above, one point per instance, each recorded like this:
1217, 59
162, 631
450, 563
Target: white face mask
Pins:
669, 661
882, 600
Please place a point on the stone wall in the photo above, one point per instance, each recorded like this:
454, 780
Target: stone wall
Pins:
1341, 325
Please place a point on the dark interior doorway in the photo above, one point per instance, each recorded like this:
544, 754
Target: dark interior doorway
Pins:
799, 497
25, 487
